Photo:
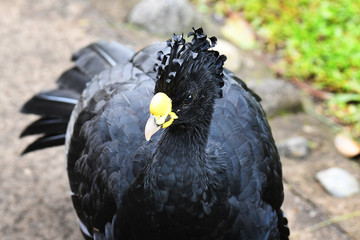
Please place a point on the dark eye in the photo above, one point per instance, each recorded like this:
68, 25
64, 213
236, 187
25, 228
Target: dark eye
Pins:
189, 99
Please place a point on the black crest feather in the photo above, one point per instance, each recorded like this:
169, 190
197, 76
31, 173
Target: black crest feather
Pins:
184, 56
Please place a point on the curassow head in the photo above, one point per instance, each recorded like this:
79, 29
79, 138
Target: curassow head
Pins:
189, 79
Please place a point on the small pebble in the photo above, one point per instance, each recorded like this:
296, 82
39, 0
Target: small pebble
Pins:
295, 147
27, 172
312, 214
338, 182
346, 146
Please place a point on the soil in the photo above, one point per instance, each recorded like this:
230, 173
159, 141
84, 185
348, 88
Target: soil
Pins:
36, 39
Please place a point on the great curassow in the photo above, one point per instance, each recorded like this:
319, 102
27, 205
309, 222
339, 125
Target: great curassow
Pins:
207, 166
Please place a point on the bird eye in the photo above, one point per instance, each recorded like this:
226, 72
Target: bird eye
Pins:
189, 99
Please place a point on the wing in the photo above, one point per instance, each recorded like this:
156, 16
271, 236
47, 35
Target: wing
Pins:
106, 130
253, 165
106, 134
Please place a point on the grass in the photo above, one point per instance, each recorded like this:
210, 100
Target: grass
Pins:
314, 41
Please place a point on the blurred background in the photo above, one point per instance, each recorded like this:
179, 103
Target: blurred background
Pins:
302, 57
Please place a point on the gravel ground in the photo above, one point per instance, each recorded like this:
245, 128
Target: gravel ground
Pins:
36, 39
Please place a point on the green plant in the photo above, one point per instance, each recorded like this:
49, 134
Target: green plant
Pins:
317, 41
345, 109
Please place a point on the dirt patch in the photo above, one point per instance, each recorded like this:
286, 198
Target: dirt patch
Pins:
36, 39
300, 179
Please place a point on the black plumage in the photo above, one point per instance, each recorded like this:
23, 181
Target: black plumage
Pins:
214, 173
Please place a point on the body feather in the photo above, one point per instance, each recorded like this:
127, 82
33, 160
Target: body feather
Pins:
218, 178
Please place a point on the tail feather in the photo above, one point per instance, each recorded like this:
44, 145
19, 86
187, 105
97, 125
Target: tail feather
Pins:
96, 57
54, 103
45, 126
45, 142
55, 106
73, 79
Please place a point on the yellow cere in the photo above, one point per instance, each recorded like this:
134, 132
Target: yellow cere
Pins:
172, 117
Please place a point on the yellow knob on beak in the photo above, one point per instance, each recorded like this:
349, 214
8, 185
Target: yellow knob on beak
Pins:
160, 114
160, 104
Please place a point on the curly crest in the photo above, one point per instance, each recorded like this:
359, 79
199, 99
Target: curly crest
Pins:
185, 57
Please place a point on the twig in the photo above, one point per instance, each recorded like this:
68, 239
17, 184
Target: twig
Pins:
310, 108
310, 90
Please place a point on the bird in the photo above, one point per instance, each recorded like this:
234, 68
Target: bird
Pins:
164, 143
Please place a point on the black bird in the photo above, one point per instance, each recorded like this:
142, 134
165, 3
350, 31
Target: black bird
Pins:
207, 167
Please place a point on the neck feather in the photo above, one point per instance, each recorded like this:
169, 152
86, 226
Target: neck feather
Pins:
179, 166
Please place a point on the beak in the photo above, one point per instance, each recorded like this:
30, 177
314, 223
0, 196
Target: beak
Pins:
160, 114
151, 127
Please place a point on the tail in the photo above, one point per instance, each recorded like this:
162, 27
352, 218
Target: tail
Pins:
55, 106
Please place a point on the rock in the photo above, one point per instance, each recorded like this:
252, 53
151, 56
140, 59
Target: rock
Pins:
346, 146
277, 95
239, 31
296, 147
338, 182
116, 10
164, 16
233, 61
